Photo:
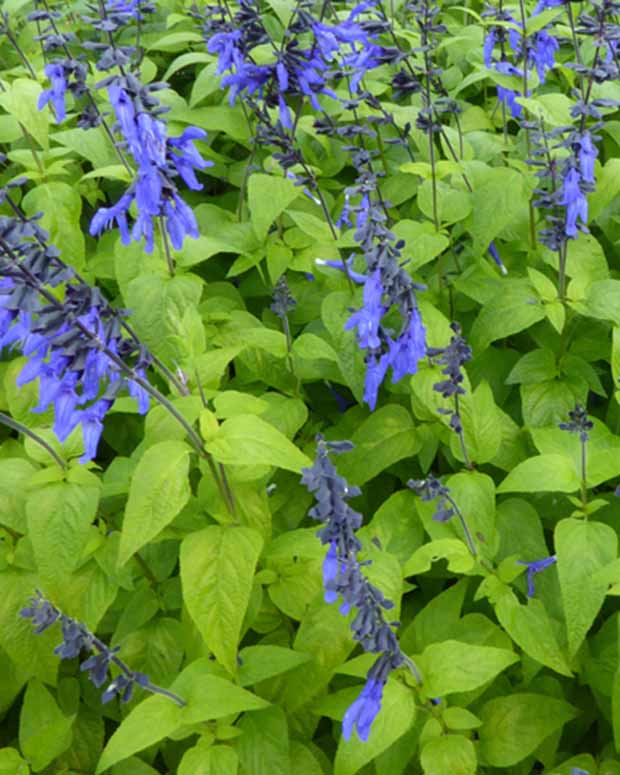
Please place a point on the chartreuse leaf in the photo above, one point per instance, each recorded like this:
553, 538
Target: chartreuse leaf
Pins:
208, 697
547, 473
248, 440
513, 727
44, 730
451, 666
475, 495
261, 662
449, 755
498, 202
268, 197
207, 759
217, 570
264, 745
582, 548
516, 308
59, 522
383, 439
396, 716
11, 763
61, 206
159, 489
481, 426
454, 551
20, 101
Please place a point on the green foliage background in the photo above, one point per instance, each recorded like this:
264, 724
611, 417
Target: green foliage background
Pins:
228, 610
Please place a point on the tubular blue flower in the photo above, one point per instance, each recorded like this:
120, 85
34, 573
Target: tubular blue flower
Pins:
575, 202
368, 318
330, 572
105, 217
56, 94
489, 45
91, 420
496, 257
225, 45
409, 348
363, 711
180, 221
189, 159
376, 368
137, 392
509, 96
543, 53
586, 156
355, 276
125, 113
535, 567
65, 404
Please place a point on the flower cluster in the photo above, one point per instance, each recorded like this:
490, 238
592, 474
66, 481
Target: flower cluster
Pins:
74, 346
452, 358
536, 51
77, 638
159, 159
579, 423
343, 578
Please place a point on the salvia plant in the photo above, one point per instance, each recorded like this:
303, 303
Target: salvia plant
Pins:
309, 387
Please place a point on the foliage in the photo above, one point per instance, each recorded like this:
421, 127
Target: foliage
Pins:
266, 264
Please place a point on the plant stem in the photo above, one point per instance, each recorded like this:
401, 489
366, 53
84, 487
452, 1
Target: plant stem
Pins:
17, 426
468, 535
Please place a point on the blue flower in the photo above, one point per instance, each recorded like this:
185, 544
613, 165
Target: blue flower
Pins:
586, 156
368, 318
376, 368
56, 94
543, 53
535, 567
409, 348
575, 202
355, 276
364, 710
489, 45
330, 572
125, 113
66, 401
180, 221
496, 257
189, 158
105, 217
91, 420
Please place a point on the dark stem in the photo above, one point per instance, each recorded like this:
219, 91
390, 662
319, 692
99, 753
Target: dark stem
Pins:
17, 426
468, 536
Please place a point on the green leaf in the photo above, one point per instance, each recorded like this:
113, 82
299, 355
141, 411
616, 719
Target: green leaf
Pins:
59, 524
156, 302
207, 759
264, 745
513, 309
514, 726
603, 301
532, 630
582, 548
261, 662
546, 473
249, 440
217, 571
159, 489
498, 202
61, 206
311, 225
268, 197
452, 666
474, 493
396, 716
11, 763
452, 204
385, 437
44, 730
481, 426
533, 367
449, 755
422, 242
208, 697
454, 551
460, 718
19, 99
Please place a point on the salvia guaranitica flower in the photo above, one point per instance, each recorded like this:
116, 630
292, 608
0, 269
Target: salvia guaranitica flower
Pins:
452, 358
78, 638
579, 423
74, 346
534, 567
343, 578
